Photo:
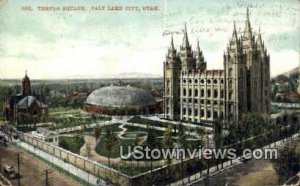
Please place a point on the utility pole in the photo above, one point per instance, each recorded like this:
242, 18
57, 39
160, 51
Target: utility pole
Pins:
18, 163
18, 168
47, 178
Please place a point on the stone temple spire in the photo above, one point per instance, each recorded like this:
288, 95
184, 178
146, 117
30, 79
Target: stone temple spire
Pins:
198, 47
259, 40
247, 31
234, 33
200, 63
185, 42
172, 43
172, 51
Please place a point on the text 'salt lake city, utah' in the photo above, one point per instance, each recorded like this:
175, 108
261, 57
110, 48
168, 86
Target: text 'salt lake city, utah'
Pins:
149, 92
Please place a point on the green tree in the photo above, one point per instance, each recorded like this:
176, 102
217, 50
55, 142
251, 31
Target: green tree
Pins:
183, 143
218, 137
77, 137
168, 140
287, 164
111, 142
138, 141
97, 132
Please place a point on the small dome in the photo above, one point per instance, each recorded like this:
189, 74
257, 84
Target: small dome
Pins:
120, 97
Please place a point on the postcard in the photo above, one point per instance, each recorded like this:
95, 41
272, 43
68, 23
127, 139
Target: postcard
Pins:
149, 92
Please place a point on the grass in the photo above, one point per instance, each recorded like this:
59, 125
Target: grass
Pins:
62, 110
101, 149
68, 143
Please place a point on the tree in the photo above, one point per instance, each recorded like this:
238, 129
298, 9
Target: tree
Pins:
97, 132
63, 144
111, 142
168, 140
151, 142
139, 139
182, 140
218, 137
287, 164
77, 137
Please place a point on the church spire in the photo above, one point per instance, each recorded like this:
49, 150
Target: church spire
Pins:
198, 46
172, 43
247, 31
26, 87
185, 42
200, 63
259, 40
234, 33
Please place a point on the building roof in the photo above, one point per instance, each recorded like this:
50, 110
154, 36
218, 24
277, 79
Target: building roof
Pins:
120, 97
27, 101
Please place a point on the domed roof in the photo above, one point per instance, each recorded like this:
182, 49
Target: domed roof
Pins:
120, 96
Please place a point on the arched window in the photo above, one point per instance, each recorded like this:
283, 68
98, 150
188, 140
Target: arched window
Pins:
196, 92
202, 92
208, 93
215, 93
202, 113
190, 92
208, 114
184, 92
190, 111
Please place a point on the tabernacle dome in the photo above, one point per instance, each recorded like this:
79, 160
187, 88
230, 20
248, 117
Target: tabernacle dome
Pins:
120, 100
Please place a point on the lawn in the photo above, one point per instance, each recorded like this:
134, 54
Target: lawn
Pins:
68, 143
101, 149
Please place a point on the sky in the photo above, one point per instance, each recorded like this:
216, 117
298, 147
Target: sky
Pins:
96, 44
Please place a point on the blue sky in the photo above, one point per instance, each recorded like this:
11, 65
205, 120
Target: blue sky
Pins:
99, 43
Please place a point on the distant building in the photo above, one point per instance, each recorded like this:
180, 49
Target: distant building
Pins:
46, 135
194, 93
24, 105
120, 100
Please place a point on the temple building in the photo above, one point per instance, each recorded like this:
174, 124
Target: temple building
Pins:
192, 93
24, 107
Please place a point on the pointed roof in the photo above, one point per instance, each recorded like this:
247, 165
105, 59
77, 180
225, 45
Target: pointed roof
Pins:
259, 40
234, 33
172, 43
198, 47
247, 31
25, 77
27, 101
185, 42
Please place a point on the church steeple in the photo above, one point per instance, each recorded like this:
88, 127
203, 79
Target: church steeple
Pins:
259, 40
247, 31
26, 87
186, 53
185, 41
200, 63
234, 34
172, 44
